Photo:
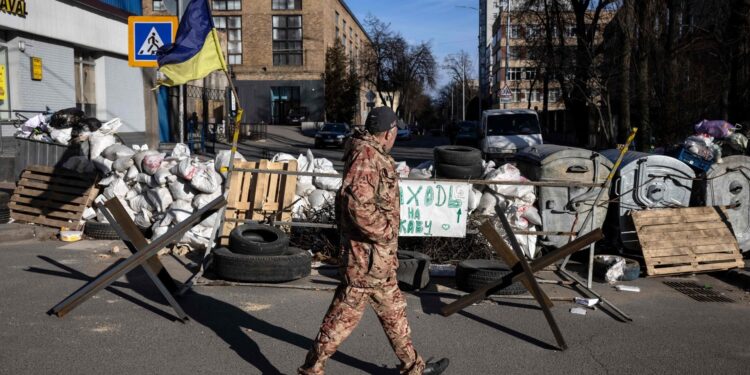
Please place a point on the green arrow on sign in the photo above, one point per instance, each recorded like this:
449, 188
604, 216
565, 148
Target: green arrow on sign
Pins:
458, 216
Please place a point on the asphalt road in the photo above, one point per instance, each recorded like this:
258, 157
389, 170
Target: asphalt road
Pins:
291, 140
128, 329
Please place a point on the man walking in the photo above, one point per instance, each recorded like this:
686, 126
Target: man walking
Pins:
367, 209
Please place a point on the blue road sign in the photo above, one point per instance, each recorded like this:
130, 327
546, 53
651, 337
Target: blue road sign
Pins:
146, 34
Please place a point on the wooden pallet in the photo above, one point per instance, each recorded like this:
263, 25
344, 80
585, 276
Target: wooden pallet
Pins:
686, 240
53, 197
259, 196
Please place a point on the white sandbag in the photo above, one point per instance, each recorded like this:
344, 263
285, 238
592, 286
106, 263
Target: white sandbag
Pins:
143, 178
181, 190
322, 164
162, 177
508, 172
531, 214
132, 174
118, 188
202, 231
143, 218
179, 210
132, 193
300, 207
201, 200
402, 169
305, 183
102, 164
111, 126
89, 213
194, 241
180, 151
210, 221
282, 157
319, 199
106, 181
158, 229
79, 164
488, 202
140, 203
206, 180
422, 171
152, 163
98, 142
140, 155
489, 167
185, 169
118, 151
304, 189
528, 244
474, 197
61, 136
328, 183
222, 160
159, 198
302, 162
139, 187
122, 164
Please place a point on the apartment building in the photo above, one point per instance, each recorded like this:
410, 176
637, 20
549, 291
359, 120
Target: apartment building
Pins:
276, 50
489, 11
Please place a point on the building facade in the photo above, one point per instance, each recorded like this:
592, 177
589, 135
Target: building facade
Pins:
276, 50
59, 54
489, 11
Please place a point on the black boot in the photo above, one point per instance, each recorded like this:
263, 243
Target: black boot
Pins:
436, 368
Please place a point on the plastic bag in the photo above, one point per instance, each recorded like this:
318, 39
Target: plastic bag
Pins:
475, 196
61, 136
508, 172
117, 151
152, 163
90, 124
66, 118
282, 157
488, 202
300, 207
102, 164
222, 160
326, 183
206, 180
305, 183
402, 169
422, 171
531, 214
719, 129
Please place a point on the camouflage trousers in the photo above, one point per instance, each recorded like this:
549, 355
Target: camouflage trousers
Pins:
344, 314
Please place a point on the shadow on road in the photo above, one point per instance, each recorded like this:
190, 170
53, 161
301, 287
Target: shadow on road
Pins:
229, 322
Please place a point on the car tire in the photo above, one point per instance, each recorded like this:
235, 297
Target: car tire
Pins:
4, 199
292, 264
100, 231
459, 172
473, 274
413, 270
457, 155
258, 239
4, 215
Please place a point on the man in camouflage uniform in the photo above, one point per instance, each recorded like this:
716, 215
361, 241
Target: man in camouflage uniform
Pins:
368, 215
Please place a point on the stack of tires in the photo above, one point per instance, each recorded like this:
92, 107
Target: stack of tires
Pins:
413, 270
4, 210
260, 253
458, 162
100, 231
472, 274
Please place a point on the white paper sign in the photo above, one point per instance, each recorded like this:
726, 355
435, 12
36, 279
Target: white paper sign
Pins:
433, 209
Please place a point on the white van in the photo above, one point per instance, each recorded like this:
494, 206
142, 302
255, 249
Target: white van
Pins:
505, 131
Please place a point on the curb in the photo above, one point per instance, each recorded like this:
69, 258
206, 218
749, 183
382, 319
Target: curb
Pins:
15, 232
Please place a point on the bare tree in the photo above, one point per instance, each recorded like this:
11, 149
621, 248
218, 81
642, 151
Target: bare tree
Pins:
460, 68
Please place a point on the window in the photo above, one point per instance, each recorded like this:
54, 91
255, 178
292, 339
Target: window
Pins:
515, 52
226, 5
531, 74
554, 95
233, 27
337, 25
515, 74
158, 5
285, 101
515, 32
287, 40
570, 31
285, 4
517, 95
533, 31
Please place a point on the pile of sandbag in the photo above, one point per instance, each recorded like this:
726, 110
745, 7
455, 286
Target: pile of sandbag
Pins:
159, 190
315, 197
64, 127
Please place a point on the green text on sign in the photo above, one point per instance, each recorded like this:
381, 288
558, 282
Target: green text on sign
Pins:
433, 209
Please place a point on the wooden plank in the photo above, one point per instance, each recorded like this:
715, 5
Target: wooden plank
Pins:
44, 221
261, 189
692, 268
33, 210
22, 191
702, 249
29, 175
680, 227
693, 258
668, 220
665, 236
45, 169
667, 212
687, 241
47, 203
57, 188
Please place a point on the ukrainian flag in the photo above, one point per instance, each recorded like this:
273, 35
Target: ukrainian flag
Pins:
196, 51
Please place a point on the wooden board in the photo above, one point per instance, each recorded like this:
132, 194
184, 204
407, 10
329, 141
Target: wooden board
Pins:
52, 197
259, 196
686, 240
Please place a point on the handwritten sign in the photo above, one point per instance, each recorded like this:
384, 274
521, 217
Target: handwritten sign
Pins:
433, 209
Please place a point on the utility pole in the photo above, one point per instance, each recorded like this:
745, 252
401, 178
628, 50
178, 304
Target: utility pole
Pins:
463, 93
453, 84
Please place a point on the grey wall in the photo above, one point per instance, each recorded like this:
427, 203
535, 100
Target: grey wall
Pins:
255, 97
119, 93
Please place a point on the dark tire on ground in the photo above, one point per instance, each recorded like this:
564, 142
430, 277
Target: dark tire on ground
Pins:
459, 172
258, 239
473, 274
293, 264
457, 155
4, 215
100, 231
4, 199
413, 270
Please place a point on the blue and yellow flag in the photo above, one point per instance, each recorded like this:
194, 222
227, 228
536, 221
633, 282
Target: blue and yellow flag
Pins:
196, 51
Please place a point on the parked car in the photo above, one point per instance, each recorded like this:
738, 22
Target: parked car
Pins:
506, 131
469, 134
298, 115
403, 134
332, 134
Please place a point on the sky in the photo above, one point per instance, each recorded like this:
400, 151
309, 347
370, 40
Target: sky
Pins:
446, 24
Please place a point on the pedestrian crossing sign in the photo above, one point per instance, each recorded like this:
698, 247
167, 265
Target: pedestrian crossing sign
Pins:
505, 94
145, 35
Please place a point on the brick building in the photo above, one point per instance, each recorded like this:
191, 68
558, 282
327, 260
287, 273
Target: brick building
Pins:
276, 50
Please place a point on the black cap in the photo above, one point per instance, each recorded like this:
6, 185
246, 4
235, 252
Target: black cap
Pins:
380, 119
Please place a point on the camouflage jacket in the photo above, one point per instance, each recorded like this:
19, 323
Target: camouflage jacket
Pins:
368, 213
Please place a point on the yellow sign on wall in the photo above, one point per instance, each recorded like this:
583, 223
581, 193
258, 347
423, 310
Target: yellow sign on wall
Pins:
3, 95
36, 68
